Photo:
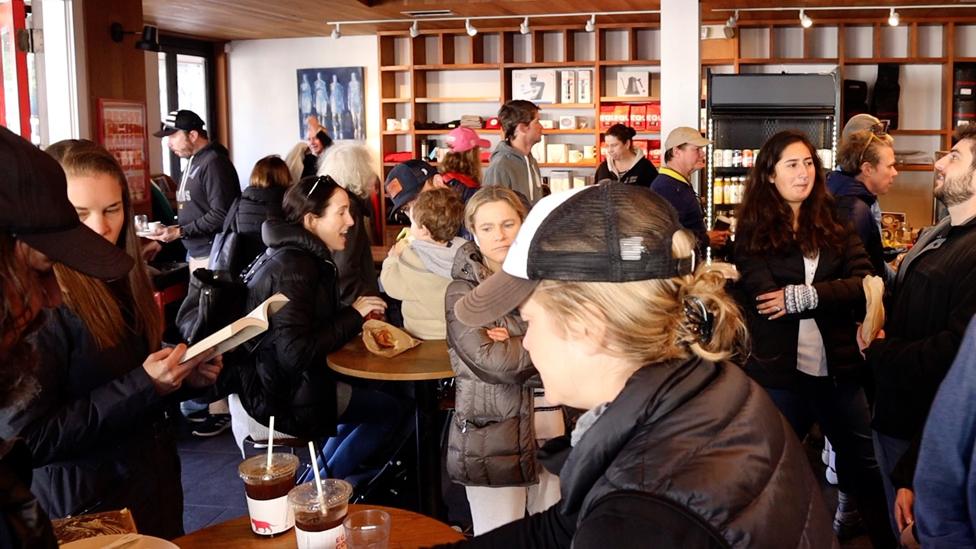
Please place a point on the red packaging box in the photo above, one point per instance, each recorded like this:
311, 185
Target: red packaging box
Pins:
653, 117
606, 116
638, 117
621, 114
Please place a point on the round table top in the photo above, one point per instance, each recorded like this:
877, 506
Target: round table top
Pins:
427, 361
408, 529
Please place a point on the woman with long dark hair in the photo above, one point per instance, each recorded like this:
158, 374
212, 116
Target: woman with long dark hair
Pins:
97, 429
290, 378
624, 163
801, 291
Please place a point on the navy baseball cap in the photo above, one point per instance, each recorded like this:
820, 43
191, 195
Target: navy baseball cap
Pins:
405, 181
34, 207
180, 120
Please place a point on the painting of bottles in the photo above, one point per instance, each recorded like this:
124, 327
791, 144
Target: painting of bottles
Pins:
335, 96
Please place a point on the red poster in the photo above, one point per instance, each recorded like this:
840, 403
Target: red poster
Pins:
122, 131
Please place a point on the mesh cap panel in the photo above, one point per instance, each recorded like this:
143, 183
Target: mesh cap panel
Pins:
608, 233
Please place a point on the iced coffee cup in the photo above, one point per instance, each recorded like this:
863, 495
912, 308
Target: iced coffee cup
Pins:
267, 492
318, 520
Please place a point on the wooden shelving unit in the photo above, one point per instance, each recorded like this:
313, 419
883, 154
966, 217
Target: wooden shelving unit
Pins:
441, 74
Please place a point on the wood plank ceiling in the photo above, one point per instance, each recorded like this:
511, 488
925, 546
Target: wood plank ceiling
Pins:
250, 19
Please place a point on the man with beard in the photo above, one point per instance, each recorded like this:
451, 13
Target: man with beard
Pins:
933, 300
37, 226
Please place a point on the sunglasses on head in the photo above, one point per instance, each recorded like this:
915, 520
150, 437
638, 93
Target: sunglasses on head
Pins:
877, 132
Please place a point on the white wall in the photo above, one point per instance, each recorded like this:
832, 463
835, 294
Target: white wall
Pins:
264, 94
152, 112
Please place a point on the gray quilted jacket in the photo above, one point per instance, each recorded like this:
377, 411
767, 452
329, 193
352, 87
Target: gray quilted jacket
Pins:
492, 439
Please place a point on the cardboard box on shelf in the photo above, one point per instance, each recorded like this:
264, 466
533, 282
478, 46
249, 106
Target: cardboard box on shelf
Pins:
584, 86
547, 124
606, 116
621, 114
567, 86
633, 83
560, 180
539, 150
567, 122
536, 85
557, 153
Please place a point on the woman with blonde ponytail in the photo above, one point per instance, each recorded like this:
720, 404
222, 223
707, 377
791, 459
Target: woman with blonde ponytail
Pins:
677, 448
98, 429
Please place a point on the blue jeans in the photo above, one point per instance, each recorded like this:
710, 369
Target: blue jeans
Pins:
841, 409
889, 451
366, 426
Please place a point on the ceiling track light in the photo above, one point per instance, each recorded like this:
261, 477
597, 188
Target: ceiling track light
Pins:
590, 23
469, 28
414, 29
733, 20
336, 33
893, 18
524, 27
805, 20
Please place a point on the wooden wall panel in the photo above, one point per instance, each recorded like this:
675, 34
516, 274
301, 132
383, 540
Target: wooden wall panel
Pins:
116, 70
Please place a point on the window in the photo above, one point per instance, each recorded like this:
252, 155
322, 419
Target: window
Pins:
185, 82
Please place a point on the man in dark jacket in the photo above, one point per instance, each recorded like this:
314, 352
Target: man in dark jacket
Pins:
933, 300
866, 169
684, 154
208, 187
37, 226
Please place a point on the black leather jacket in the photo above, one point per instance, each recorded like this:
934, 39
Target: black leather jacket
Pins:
23, 524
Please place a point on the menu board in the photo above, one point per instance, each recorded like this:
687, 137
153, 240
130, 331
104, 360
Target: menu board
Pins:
122, 131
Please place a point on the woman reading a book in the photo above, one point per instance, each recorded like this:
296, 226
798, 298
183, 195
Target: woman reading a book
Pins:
802, 296
96, 428
290, 378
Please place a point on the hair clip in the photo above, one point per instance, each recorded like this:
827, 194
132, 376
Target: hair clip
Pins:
314, 185
700, 318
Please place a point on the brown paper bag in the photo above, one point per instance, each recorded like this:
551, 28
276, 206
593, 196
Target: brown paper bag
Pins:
385, 339
874, 316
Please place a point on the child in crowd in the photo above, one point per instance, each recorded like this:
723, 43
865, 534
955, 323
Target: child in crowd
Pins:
418, 269
461, 166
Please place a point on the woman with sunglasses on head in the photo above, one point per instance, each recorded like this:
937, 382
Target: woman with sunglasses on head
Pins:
866, 170
801, 292
290, 378
97, 429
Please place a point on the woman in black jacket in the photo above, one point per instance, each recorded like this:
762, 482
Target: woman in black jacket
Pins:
678, 448
290, 378
801, 290
624, 163
96, 427
260, 201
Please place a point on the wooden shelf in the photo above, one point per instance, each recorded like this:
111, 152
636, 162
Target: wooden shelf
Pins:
787, 61
621, 99
899, 60
917, 132
545, 106
458, 100
551, 65
633, 63
395, 68
557, 131
443, 132
915, 167
591, 164
603, 131
459, 67
396, 132
396, 99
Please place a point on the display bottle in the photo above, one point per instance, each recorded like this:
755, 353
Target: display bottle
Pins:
717, 189
727, 191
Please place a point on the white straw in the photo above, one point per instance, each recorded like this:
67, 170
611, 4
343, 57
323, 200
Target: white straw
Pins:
315, 469
270, 440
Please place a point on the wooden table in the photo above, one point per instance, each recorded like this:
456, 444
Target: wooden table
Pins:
408, 529
423, 364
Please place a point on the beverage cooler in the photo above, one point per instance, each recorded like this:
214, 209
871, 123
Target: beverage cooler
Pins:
744, 110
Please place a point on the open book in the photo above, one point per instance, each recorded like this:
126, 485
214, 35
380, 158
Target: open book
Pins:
239, 331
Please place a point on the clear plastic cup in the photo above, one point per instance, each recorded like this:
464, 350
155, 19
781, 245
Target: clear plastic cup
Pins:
368, 529
318, 521
267, 492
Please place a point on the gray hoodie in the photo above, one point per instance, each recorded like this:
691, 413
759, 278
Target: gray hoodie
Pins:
510, 168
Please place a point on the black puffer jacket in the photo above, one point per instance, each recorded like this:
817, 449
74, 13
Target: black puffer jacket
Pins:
256, 205
290, 378
97, 431
854, 202
841, 305
492, 438
689, 454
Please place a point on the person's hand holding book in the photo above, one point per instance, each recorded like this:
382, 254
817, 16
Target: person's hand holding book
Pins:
166, 371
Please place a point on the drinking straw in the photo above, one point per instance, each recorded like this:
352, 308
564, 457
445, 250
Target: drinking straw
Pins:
315, 469
270, 440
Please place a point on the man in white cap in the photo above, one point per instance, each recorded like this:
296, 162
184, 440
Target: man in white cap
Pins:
684, 154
